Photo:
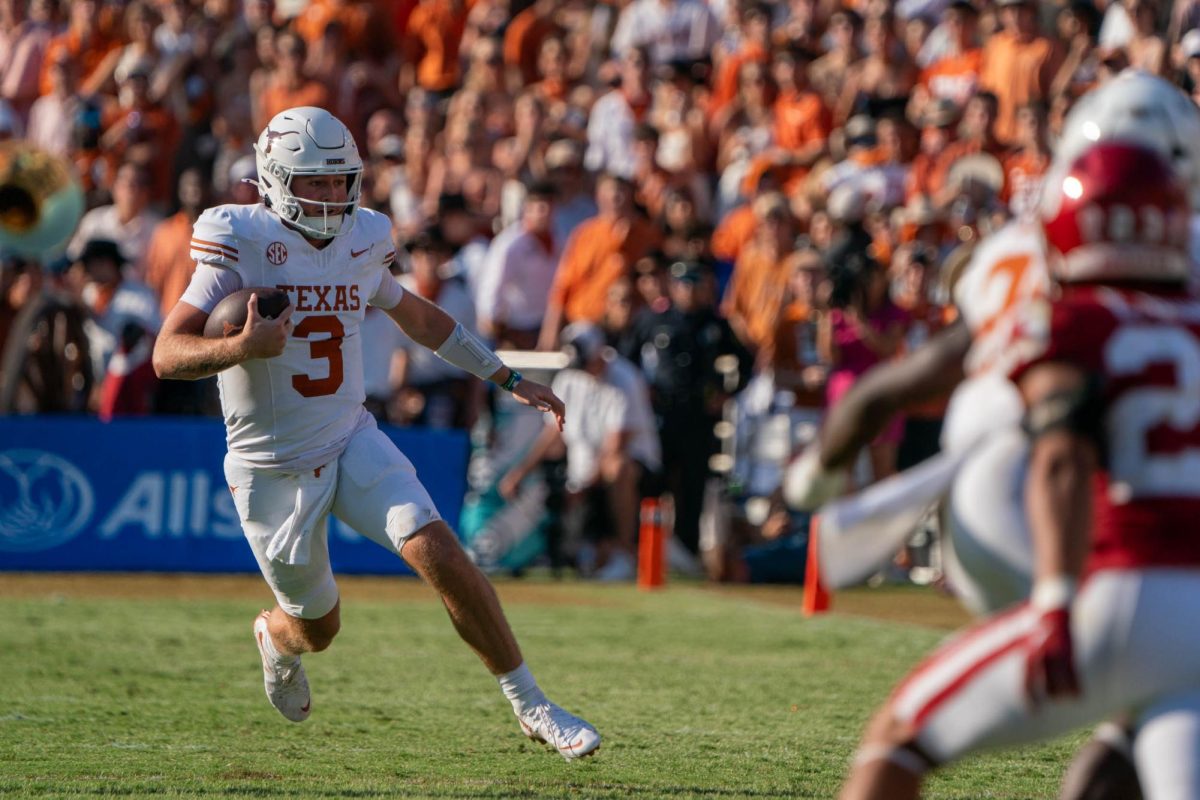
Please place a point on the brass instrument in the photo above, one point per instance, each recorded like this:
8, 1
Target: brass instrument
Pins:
41, 202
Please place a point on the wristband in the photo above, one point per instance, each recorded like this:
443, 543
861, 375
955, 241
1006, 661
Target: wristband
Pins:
1053, 593
514, 378
464, 350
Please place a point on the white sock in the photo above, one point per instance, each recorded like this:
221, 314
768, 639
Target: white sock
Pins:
521, 689
273, 652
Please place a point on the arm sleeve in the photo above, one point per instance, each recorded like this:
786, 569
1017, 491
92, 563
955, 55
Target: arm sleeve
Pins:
389, 292
213, 239
209, 284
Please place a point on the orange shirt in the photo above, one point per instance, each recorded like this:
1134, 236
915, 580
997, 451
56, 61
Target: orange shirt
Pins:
953, 152
801, 119
86, 57
356, 19
276, 98
954, 77
169, 265
523, 42
725, 85
600, 252
1023, 178
435, 30
1016, 73
733, 233
756, 293
792, 348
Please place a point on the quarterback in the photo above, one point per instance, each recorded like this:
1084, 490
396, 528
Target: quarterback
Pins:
301, 445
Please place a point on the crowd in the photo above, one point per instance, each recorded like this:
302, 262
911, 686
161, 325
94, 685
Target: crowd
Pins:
705, 195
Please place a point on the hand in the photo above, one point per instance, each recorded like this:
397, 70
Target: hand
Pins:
508, 485
807, 485
532, 393
262, 337
1049, 658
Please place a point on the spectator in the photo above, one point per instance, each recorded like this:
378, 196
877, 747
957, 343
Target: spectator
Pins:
431, 44
862, 328
121, 309
573, 202
168, 263
1019, 64
87, 42
600, 251
613, 452
128, 221
979, 135
434, 393
671, 30
802, 120
791, 353
26, 28
955, 75
610, 130
1025, 165
52, 118
243, 182
517, 274
677, 349
756, 291
289, 85
137, 129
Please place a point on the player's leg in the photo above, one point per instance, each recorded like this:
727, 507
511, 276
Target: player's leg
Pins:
1103, 769
306, 616
436, 555
969, 695
380, 496
1167, 748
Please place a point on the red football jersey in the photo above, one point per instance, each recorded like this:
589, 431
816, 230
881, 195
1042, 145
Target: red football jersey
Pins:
1144, 346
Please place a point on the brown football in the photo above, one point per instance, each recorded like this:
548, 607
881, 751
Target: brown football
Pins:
229, 315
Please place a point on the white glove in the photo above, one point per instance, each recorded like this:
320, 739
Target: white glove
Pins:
807, 485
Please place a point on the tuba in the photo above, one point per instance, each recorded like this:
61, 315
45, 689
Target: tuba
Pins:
40, 201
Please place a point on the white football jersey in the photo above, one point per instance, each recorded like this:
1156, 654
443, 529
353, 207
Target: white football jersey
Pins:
295, 411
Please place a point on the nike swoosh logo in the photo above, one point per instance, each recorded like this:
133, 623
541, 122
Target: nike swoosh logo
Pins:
356, 253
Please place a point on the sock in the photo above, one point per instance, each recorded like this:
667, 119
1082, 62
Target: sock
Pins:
521, 689
273, 652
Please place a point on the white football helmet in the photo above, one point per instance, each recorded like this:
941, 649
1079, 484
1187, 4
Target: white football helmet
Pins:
1137, 108
308, 141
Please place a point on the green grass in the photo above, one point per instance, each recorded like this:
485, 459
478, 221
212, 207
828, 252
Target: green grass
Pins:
697, 695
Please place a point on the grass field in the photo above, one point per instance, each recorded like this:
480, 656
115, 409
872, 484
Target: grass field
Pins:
151, 687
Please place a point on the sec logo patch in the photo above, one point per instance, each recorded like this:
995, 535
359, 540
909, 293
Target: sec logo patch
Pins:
276, 253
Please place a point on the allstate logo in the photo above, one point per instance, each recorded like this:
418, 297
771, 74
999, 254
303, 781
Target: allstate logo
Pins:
44, 500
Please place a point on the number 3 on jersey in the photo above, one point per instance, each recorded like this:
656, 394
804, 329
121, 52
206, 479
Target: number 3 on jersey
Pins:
329, 349
1137, 413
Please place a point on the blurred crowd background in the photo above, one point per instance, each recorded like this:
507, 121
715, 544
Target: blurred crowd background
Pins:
722, 211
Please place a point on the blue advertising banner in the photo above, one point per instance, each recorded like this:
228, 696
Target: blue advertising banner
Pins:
150, 494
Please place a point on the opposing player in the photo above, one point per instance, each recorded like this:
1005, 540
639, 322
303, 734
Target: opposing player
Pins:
1110, 382
301, 444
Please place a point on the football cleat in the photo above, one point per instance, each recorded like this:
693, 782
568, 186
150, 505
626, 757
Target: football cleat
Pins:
571, 736
283, 678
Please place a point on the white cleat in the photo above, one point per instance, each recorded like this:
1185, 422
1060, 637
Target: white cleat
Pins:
571, 736
286, 686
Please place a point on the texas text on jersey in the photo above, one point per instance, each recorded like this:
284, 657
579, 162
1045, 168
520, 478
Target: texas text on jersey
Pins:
320, 372
1143, 348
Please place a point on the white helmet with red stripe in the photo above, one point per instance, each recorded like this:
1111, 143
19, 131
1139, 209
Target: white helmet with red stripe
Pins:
308, 141
1139, 108
1119, 212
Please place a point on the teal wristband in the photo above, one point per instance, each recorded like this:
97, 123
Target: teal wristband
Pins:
514, 378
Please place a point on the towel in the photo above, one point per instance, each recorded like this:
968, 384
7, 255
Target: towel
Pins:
314, 497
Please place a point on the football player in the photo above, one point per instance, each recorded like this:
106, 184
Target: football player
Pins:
301, 445
1107, 363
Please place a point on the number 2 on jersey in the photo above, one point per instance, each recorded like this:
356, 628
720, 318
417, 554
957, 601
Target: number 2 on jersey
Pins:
1138, 412
330, 349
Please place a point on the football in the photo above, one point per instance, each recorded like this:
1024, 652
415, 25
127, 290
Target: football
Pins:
229, 315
